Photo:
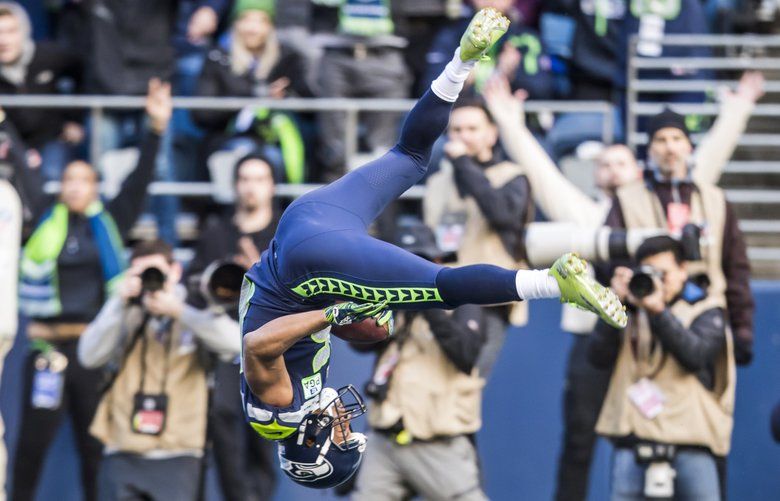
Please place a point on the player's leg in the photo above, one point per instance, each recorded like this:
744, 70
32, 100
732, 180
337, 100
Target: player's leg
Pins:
351, 265
366, 191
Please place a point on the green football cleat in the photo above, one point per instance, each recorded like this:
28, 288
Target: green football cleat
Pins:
581, 290
487, 26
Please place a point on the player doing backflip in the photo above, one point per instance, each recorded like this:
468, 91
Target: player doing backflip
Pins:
322, 254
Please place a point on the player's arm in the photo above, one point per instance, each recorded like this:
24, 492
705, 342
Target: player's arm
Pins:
264, 368
264, 348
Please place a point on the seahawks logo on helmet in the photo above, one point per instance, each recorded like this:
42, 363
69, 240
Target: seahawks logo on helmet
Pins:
307, 472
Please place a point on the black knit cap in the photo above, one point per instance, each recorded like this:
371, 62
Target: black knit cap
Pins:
667, 118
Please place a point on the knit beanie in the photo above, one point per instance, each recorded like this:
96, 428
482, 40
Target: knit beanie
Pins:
666, 118
242, 6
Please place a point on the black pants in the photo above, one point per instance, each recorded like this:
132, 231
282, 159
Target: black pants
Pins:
128, 477
245, 462
39, 427
586, 387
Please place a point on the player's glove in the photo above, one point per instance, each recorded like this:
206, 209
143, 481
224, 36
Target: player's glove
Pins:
386, 318
350, 313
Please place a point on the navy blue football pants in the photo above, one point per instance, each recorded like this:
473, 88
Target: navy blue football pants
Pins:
324, 251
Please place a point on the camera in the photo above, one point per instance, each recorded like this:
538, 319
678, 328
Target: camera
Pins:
545, 242
152, 279
219, 284
642, 283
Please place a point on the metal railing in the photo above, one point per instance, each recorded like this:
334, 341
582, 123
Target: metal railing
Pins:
97, 106
733, 53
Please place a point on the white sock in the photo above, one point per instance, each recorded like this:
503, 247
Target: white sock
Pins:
536, 284
449, 84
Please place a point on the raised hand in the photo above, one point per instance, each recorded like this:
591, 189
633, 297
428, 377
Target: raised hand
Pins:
159, 105
505, 108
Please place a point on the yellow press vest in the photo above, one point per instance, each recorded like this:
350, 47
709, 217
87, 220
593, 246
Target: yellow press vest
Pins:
186, 387
692, 414
642, 209
427, 391
480, 244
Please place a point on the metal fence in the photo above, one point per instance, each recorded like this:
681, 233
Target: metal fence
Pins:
98, 106
730, 53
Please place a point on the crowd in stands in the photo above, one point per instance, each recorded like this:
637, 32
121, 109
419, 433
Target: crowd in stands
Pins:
490, 172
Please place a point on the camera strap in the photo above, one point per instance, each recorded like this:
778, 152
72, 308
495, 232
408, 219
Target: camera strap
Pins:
168, 334
137, 333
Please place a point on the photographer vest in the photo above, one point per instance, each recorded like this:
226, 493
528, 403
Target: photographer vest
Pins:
642, 209
692, 415
426, 390
480, 243
185, 386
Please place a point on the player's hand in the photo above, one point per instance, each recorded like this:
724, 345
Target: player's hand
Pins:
350, 313
505, 108
386, 319
159, 105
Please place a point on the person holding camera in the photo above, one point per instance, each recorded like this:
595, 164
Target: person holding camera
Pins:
669, 407
153, 412
238, 235
479, 204
10, 235
425, 394
70, 265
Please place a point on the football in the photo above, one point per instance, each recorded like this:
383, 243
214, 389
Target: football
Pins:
366, 332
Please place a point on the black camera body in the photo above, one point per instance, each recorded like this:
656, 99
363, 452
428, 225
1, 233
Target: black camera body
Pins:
642, 283
152, 279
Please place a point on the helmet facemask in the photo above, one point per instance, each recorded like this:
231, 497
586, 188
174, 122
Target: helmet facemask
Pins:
337, 410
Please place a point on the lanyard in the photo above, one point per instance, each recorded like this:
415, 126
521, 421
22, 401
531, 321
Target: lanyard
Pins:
165, 330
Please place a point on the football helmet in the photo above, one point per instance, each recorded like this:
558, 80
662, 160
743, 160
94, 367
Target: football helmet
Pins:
325, 452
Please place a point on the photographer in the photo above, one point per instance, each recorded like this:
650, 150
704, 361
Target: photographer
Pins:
669, 407
426, 400
479, 204
69, 266
10, 233
244, 462
152, 417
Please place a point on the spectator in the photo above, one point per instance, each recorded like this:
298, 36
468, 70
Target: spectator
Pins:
255, 65
198, 25
519, 56
423, 444
70, 265
27, 67
363, 59
10, 234
616, 166
597, 38
669, 408
669, 199
152, 416
244, 462
479, 204
131, 42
